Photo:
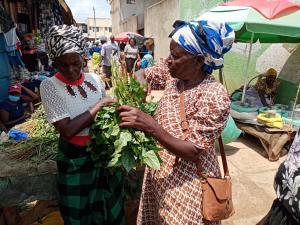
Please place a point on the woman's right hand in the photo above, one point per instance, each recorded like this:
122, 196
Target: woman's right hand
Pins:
106, 101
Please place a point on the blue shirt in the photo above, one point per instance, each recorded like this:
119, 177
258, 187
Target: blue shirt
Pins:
96, 49
147, 61
15, 111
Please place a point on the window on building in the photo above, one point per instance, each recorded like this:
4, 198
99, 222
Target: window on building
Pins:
90, 28
97, 29
84, 28
106, 28
130, 1
109, 29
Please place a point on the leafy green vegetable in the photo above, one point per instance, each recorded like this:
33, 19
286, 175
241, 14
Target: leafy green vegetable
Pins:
41, 144
151, 159
127, 149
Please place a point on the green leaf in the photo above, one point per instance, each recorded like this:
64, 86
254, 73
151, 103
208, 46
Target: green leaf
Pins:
114, 161
125, 137
110, 130
100, 139
128, 161
106, 125
105, 116
136, 150
149, 107
109, 109
115, 130
118, 145
141, 137
151, 160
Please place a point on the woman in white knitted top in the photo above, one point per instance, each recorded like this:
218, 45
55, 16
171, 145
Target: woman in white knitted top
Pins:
87, 195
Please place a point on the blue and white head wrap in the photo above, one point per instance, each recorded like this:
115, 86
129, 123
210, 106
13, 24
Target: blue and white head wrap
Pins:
208, 38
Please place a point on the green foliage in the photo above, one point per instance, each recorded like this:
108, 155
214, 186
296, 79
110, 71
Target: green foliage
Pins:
41, 144
113, 147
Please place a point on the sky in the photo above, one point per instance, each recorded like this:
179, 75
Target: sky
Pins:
82, 9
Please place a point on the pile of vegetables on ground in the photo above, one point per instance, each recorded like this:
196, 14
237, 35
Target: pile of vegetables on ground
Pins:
127, 149
41, 143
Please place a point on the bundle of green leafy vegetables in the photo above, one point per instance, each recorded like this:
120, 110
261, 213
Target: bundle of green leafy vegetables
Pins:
41, 144
113, 147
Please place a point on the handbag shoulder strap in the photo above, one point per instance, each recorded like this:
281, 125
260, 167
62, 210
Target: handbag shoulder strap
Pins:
183, 122
185, 129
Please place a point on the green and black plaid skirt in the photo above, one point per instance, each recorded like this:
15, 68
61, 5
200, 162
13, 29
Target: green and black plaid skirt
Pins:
88, 195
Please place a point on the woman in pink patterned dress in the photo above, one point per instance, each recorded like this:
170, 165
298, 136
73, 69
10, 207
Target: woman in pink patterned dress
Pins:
172, 195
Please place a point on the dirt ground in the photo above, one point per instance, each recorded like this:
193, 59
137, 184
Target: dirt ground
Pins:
252, 178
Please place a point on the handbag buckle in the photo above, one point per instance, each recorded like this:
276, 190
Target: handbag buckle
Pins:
184, 124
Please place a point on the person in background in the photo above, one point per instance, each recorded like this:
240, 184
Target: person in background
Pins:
96, 57
96, 47
90, 47
12, 111
123, 58
108, 51
285, 209
103, 40
147, 60
266, 87
262, 93
29, 53
34, 86
87, 51
172, 195
88, 195
2, 128
142, 51
131, 56
122, 46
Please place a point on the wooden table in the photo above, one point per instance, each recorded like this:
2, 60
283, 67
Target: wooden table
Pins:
272, 139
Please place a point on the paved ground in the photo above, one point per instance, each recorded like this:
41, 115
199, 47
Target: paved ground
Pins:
252, 177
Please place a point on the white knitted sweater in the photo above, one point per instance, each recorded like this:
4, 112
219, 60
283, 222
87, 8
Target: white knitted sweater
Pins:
59, 103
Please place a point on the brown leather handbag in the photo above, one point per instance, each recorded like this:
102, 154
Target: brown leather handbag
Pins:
216, 192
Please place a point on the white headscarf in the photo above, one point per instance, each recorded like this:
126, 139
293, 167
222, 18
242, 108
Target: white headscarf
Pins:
64, 39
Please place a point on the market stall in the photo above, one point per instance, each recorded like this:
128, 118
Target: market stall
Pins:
27, 169
267, 23
23, 28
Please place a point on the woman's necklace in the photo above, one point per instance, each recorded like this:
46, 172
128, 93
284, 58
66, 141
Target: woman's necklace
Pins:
70, 85
80, 89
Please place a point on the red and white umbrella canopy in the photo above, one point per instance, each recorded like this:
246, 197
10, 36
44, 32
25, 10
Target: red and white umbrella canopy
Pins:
124, 36
270, 9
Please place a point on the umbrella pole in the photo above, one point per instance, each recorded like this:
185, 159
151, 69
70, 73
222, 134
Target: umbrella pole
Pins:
295, 103
247, 68
221, 79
